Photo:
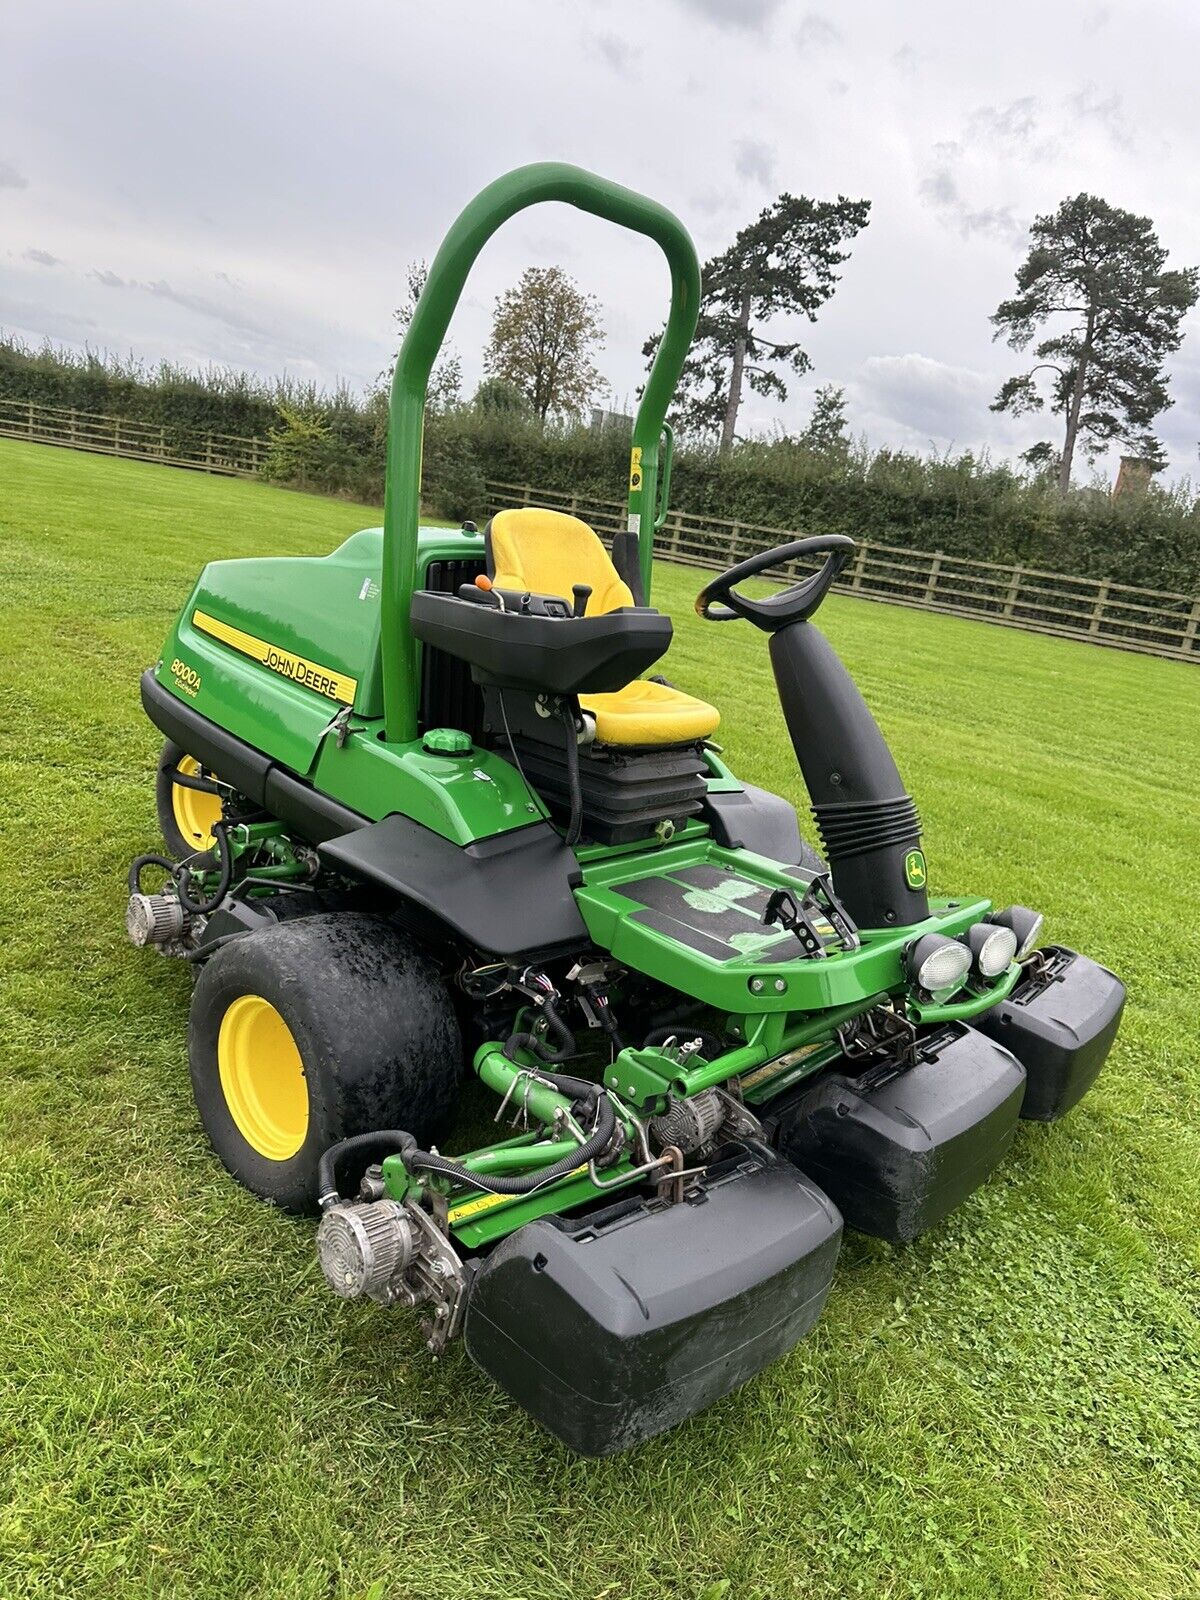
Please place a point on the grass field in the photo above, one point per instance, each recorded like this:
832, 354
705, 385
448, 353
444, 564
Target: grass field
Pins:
1009, 1408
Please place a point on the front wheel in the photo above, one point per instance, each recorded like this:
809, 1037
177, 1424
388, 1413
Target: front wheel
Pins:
312, 1031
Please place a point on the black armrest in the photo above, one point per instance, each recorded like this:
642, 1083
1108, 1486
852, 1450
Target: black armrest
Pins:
553, 655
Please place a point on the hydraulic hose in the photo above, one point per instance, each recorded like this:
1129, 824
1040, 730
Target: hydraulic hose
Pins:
594, 1145
202, 908
188, 780
180, 875
538, 1047
327, 1190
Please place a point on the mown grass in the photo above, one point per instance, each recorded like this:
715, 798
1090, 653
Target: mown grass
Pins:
1009, 1408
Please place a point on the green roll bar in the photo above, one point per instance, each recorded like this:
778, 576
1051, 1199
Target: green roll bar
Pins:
526, 186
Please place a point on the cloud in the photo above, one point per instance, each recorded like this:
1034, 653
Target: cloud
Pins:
1106, 110
617, 53
712, 202
160, 289
1015, 123
754, 161
749, 15
816, 32
839, 87
906, 60
41, 258
10, 178
46, 321
930, 398
941, 190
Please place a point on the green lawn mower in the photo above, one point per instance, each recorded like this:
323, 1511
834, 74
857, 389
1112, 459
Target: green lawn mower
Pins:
427, 811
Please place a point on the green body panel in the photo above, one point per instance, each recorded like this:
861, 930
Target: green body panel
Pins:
326, 610
748, 983
462, 798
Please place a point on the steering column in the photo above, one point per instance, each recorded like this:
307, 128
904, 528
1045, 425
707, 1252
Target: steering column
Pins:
868, 823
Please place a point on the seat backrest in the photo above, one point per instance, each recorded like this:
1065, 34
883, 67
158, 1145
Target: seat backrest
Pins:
547, 552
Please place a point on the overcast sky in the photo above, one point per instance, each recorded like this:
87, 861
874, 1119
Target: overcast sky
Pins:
244, 183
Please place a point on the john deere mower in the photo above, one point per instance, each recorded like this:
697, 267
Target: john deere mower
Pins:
428, 813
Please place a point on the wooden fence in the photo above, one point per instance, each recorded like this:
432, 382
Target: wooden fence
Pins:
1152, 621
144, 441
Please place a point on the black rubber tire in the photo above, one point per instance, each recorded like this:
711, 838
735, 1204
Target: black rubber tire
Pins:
375, 1027
177, 844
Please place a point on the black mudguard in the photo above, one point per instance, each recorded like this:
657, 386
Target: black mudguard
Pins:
898, 1153
615, 1327
1060, 1022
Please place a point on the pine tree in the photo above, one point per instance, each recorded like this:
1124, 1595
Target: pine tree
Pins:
826, 430
1095, 281
783, 263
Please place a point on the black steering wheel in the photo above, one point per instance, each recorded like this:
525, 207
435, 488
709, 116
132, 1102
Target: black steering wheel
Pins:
719, 601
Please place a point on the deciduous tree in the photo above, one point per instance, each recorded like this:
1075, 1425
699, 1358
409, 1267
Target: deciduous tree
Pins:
544, 334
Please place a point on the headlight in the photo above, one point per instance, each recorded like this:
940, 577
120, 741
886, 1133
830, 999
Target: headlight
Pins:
1026, 924
936, 964
992, 946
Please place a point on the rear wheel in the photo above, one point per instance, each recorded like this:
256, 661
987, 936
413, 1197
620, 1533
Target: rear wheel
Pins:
310, 1032
185, 815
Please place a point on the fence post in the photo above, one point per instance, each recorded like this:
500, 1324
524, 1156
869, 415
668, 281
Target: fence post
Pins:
72, 425
30, 430
935, 566
1014, 589
860, 562
525, 492
1193, 624
1098, 608
116, 436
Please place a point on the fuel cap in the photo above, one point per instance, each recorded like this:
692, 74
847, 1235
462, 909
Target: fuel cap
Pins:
447, 742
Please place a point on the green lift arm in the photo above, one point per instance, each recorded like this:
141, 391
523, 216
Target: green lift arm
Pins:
501, 200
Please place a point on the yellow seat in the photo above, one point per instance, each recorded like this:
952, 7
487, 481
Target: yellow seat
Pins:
650, 713
548, 552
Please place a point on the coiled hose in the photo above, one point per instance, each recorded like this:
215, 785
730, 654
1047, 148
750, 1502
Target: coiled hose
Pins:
181, 876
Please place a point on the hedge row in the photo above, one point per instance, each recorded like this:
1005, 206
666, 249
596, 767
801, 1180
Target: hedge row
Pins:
965, 506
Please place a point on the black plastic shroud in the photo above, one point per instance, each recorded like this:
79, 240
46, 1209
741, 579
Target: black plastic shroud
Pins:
868, 823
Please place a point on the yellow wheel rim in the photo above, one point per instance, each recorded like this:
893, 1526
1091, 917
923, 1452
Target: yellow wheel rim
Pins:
262, 1078
195, 811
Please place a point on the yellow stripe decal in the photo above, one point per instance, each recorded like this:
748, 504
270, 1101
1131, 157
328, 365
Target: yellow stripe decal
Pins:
472, 1208
324, 680
488, 1202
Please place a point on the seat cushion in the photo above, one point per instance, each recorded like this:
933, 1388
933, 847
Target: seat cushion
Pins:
650, 713
547, 552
